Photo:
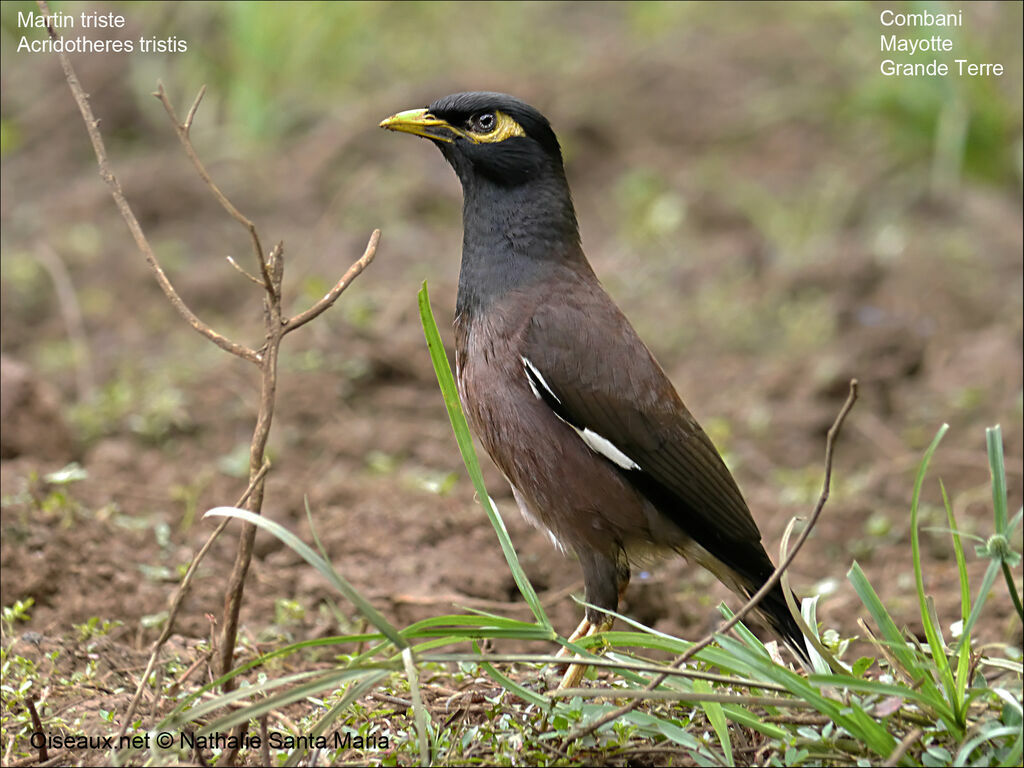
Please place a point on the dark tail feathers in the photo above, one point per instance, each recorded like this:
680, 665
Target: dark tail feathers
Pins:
774, 610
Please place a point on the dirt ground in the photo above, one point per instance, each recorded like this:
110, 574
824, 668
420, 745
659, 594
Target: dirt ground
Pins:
916, 293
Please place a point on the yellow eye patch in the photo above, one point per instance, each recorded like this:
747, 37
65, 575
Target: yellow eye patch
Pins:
505, 128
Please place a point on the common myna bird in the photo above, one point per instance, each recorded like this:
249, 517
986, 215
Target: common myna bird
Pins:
568, 401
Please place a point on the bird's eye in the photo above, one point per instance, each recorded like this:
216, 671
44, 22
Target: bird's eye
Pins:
484, 122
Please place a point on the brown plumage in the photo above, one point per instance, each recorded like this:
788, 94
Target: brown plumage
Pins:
565, 397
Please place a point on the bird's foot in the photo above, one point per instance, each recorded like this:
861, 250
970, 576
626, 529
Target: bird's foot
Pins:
574, 672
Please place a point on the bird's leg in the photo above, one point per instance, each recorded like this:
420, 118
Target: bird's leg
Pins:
574, 672
593, 622
583, 630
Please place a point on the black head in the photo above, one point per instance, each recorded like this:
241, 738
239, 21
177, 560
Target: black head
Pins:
518, 219
492, 135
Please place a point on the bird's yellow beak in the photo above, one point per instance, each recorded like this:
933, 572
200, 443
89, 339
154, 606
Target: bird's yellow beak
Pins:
421, 123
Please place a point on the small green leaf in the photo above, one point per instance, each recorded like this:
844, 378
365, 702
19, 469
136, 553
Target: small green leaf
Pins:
862, 665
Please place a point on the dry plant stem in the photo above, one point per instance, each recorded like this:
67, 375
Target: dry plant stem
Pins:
264, 742
179, 598
92, 126
833, 433
73, 321
276, 328
271, 267
182, 129
274, 271
243, 556
236, 265
30, 704
903, 747
325, 303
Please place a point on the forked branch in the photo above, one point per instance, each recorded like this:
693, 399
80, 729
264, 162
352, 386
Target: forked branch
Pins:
92, 126
183, 129
332, 296
276, 325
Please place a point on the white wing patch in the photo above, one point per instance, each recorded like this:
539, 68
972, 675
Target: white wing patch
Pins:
531, 368
606, 448
594, 441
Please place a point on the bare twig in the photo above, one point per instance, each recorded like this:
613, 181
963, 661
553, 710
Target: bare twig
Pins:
833, 432
264, 742
37, 726
92, 126
271, 271
237, 266
182, 129
72, 313
187, 125
353, 272
903, 747
179, 597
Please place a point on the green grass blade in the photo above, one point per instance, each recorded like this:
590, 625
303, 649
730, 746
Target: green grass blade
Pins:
963, 756
1011, 587
454, 634
320, 564
661, 642
303, 684
963, 661
716, 717
461, 428
753, 641
902, 651
656, 726
932, 631
850, 716
419, 713
891, 635
745, 717
543, 702
187, 701
994, 567
997, 471
463, 620
282, 700
843, 681
354, 691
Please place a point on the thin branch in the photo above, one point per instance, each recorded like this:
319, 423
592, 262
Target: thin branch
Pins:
903, 747
353, 272
237, 266
271, 272
187, 125
179, 598
182, 129
37, 724
71, 311
756, 598
264, 742
92, 126
794, 609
